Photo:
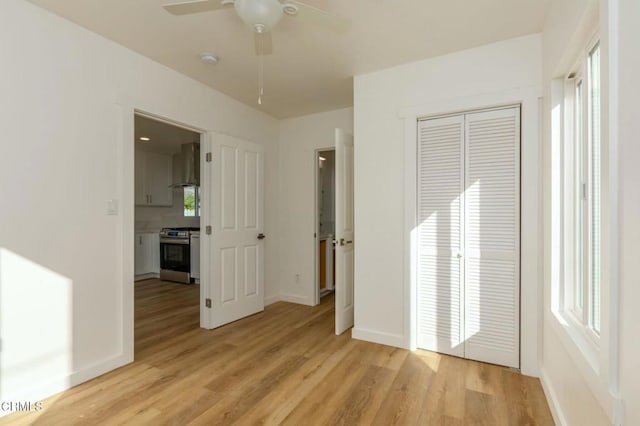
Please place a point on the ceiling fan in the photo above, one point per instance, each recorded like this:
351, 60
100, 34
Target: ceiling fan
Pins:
261, 16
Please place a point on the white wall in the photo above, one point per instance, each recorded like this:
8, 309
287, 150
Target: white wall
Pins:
628, 159
60, 161
463, 80
299, 138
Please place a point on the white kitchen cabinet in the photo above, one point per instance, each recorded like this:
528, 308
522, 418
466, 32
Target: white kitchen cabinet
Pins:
139, 255
153, 178
147, 253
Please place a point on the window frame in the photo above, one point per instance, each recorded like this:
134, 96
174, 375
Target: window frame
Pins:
578, 279
196, 196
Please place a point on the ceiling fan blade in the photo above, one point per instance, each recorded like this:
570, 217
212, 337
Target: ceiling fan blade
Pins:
196, 6
321, 17
263, 42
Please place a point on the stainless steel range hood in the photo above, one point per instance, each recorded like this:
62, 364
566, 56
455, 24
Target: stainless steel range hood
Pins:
189, 160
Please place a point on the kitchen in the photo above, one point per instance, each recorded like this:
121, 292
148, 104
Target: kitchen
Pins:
167, 204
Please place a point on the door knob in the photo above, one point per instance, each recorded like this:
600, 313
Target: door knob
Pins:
344, 242
261, 236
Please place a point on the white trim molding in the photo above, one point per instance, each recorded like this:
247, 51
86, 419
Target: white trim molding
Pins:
552, 398
60, 384
270, 300
294, 298
388, 339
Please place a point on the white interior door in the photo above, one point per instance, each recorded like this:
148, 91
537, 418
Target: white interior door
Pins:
237, 219
440, 235
492, 243
344, 231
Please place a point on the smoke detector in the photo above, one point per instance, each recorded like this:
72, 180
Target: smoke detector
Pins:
208, 58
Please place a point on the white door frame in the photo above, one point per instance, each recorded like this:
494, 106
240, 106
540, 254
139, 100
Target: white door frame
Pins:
531, 203
316, 223
126, 176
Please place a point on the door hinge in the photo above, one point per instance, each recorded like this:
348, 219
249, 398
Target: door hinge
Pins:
208, 157
207, 303
584, 191
207, 229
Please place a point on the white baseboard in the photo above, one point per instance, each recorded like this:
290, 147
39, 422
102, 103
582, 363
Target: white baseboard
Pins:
552, 398
146, 276
51, 387
269, 300
294, 298
98, 369
388, 339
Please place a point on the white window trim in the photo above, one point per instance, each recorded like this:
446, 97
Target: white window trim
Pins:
576, 316
585, 347
577, 319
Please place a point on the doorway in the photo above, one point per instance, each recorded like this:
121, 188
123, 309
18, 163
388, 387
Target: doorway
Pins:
325, 223
334, 228
166, 209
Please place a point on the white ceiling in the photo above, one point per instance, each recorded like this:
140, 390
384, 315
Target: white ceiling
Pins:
312, 66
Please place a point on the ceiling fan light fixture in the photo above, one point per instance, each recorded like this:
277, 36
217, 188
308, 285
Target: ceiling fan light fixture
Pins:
209, 58
259, 15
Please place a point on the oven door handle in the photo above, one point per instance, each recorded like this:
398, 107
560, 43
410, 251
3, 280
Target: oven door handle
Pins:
174, 241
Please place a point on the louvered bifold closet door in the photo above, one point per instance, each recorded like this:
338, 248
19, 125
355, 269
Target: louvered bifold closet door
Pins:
439, 236
492, 238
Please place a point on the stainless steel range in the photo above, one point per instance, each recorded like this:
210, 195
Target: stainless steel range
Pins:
175, 254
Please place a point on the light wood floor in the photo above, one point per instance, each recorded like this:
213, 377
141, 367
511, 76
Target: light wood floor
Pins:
284, 366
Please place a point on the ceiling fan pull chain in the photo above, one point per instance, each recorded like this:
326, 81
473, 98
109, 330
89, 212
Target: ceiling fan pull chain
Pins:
260, 73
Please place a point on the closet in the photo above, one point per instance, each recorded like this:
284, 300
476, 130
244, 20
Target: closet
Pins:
468, 235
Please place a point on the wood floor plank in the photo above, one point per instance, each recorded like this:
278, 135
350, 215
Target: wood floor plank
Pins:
364, 397
277, 406
406, 396
283, 366
234, 406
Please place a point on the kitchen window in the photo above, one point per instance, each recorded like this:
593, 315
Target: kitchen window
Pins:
191, 201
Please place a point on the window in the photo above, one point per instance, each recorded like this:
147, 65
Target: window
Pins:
582, 194
191, 201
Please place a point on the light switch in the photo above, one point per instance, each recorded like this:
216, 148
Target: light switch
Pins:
112, 207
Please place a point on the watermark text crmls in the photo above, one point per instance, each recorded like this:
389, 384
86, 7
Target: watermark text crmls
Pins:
12, 406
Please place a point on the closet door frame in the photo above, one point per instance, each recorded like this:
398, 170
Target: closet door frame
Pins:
499, 350
530, 101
